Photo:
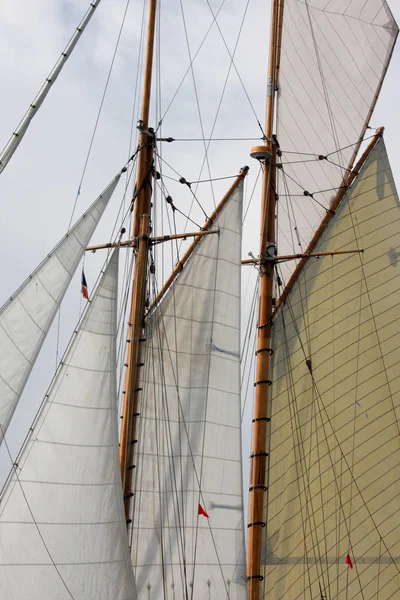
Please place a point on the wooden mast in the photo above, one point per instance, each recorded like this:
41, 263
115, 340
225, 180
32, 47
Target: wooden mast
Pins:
259, 456
141, 231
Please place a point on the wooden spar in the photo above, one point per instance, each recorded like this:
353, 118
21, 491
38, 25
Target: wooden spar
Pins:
259, 444
179, 236
141, 230
346, 183
206, 226
256, 261
152, 240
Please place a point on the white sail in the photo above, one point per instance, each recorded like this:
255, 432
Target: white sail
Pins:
62, 521
334, 58
27, 316
334, 476
189, 445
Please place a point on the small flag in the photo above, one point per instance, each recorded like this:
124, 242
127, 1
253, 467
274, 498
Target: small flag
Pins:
84, 288
348, 561
201, 511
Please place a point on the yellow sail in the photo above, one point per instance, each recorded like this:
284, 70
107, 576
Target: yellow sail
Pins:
334, 473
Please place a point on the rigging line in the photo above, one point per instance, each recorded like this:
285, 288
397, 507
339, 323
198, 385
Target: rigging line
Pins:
14, 469
361, 260
290, 212
308, 194
223, 90
351, 145
99, 111
187, 183
292, 406
161, 504
189, 67
323, 81
197, 103
231, 56
186, 430
205, 417
253, 351
166, 195
180, 517
252, 194
309, 497
338, 445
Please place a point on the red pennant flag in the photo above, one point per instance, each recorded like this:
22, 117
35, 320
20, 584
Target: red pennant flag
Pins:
348, 561
201, 511
84, 288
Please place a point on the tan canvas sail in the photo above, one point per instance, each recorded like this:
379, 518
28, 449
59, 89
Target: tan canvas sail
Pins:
26, 318
62, 522
334, 58
334, 477
189, 447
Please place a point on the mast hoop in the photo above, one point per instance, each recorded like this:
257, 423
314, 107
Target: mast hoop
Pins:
260, 577
258, 487
262, 523
270, 350
263, 381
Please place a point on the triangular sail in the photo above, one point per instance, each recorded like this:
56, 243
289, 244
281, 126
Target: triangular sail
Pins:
26, 318
62, 522
189, 445
334, 57
334, 476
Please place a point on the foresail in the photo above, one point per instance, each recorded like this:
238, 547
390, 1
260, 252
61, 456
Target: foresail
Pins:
62, 521
332, 514
334, 58
27, 316
188, 455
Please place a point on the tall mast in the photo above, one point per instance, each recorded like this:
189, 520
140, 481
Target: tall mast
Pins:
141, 231
267, 155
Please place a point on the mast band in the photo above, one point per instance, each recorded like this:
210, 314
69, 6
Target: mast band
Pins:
265, 350
258, 487
258, 454
263, 381
261, 419
256, 523
260, 577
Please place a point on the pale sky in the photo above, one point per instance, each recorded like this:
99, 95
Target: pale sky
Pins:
38, 188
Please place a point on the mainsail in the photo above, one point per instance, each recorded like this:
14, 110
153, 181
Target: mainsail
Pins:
333, 61
62, 522
333, 482
189, 446
27, 316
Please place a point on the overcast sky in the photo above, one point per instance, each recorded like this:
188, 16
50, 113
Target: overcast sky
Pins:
38, 188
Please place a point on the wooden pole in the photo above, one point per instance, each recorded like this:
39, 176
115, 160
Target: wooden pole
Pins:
257, 261
346, 183
141, 231
259, 446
